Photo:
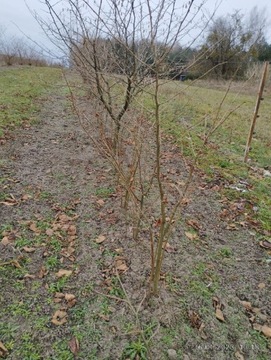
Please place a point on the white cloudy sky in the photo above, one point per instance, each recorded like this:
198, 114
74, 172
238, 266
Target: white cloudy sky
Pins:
15, 13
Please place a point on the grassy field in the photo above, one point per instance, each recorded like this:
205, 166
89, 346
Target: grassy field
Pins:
222, 112
62, 234
20, 89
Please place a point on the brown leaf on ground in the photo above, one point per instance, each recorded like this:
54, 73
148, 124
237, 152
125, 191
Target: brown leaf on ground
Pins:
219, 314
42, 272
168, 248
63, 272
33, 227
11, 201
218, 308
72, 230
239, 356
100, 239
194, 224
59, 317
5, 241
74, 345
3, 350
247, 305
26, 197
120, 263
261, 286
119, 250
69, 297
265, 244
195, 319
266, 330
100, 202
190, 235
29, 276
29, 249
59, 295
49, 232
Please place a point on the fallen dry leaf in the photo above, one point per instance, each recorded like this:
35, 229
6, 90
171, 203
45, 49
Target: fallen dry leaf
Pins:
100, 202
104, 317
72, 230
29, 276
239, 356
265, 244
29, 249
194, 223
5, 241
42, 272
261, 286
266, 330
190, 235
63, 272
218, 308
69, 297
100, 239
59, 317
9, 201
119, 250
26, 197
219, 314
33, 227
59, 295
3, 350
247, 305
74, 345
122, 267
195, 319
49, 232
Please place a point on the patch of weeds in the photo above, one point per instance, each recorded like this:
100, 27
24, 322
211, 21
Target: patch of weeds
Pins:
135, 350
172, 283
8, 333
22, 241
225, 252
19, 285
116, 289
61, 351
78, 314
105, 307
19, 309
58, 286
52, 262
45, 195
28, 349
104, 192
264, 214
224, 164
258, 344
41, 322
55, 245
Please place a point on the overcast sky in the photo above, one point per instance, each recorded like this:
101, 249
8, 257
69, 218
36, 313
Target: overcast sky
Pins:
15, 13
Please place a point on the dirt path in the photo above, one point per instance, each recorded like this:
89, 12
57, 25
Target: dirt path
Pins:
60, 210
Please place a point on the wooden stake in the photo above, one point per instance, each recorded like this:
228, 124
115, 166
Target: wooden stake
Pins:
256, 110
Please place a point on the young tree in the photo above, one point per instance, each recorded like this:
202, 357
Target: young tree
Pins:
122, 49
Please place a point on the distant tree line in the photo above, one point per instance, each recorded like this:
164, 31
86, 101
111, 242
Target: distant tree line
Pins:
231, 44
18, 51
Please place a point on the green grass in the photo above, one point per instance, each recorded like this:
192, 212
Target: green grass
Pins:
189, 112
19, 90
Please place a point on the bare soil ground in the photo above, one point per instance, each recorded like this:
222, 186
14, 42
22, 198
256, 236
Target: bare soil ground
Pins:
64, 235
